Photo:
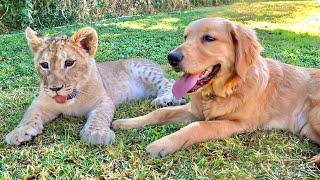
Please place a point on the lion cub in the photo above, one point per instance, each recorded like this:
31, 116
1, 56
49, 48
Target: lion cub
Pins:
72, 83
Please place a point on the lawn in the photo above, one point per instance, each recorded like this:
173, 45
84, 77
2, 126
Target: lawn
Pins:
288, 31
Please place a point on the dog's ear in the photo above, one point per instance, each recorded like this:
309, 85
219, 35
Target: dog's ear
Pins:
87, 39
247, 48
35, 40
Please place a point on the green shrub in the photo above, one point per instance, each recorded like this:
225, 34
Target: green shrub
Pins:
17, 14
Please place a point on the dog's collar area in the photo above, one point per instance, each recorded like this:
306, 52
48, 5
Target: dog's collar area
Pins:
209, 96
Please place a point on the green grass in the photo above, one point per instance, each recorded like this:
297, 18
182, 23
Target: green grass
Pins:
288, 31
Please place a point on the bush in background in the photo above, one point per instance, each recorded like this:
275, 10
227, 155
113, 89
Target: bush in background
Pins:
18, 14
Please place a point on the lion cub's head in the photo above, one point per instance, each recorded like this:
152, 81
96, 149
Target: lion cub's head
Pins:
63, 63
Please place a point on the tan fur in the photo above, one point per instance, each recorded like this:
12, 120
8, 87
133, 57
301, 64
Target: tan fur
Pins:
250, 92
99, 87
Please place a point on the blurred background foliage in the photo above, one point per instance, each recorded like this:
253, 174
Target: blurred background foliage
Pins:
18, 14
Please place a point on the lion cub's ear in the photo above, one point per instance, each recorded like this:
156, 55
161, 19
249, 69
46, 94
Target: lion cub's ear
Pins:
35, 40
87, 39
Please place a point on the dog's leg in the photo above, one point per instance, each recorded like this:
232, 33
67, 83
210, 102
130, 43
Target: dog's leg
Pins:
32, 124
152, 78
159, 116
312, 128
97, 128
195, 133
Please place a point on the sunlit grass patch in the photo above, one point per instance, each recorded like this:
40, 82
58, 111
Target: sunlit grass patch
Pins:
299, 17
149, 24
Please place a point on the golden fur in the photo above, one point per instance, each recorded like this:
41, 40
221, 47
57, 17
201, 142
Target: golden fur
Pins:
72, 83
248, 93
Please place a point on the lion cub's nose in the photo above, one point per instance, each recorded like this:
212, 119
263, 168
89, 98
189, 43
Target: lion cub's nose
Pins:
174, 58
56, 89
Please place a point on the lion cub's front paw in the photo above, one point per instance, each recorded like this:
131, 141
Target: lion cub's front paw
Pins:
98, 137
163, 147
22, 134
168, 99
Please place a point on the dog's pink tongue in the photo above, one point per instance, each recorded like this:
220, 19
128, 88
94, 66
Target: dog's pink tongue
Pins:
60, 99
184, 84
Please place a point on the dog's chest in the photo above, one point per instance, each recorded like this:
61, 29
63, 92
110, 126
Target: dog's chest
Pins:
212, 108
202, 108
207, 107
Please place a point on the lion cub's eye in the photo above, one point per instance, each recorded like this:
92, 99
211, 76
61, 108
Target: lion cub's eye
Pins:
44, 65
69, 63
208, 38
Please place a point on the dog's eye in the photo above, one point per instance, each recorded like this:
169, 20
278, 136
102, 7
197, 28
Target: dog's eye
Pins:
69, 63
44, 65
208, 38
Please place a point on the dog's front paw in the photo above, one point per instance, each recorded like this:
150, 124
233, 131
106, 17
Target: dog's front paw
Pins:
22, 134
162, 147
168, 99
122, 124
98, 137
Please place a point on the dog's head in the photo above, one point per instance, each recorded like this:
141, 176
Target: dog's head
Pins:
214, 49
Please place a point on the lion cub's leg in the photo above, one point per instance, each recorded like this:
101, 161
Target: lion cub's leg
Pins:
32, 123
152, 77
97, 128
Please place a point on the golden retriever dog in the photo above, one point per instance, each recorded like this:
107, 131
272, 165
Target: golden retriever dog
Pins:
233, 90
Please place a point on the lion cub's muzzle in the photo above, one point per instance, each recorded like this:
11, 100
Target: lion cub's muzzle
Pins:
60, 95
56, 89
175, 58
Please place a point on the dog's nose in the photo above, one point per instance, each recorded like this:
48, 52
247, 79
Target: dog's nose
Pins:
174, 58
56, 89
